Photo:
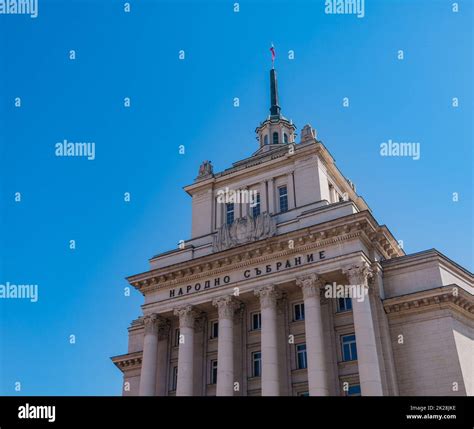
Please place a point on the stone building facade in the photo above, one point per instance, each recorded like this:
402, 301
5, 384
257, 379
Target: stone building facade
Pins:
289, 286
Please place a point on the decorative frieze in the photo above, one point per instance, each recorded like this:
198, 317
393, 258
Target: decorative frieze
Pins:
266, 251
128, 361
446, 296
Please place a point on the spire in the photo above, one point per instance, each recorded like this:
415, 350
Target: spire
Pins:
274, 108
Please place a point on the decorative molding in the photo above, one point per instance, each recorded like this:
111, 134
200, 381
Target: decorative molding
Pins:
128, 361
446, 296
271, 248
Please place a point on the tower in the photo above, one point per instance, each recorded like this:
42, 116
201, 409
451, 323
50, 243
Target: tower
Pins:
276, 130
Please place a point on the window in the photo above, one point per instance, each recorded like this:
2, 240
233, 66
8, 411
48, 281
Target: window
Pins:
265, 139
213, 372
229, 213
275, 138
174, 378
176, 337
344, 304
349, 349
256, 321
283, 196
301, 360
256, 207
354, 390
298, 312
214, 329
285, 138
256, 364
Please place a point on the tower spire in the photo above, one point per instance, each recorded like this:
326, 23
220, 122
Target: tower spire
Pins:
274, 108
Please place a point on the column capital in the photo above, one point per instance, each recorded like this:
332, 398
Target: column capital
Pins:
187, 315
268, 296
310, 284
358, 274
226, 306
153, 322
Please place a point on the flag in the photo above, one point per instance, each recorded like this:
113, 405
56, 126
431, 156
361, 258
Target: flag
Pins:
272, 50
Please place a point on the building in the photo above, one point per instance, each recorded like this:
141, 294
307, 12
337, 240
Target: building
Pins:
289, 286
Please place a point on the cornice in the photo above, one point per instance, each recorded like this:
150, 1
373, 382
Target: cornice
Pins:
128, 361
432, 255
317, 236
451, 296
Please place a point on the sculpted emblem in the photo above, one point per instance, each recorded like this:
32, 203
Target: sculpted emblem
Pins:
244, 230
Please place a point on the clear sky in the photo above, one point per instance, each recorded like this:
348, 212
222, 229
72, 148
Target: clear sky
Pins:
190, 102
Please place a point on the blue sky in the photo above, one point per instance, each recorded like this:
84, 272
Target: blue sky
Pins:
190, 103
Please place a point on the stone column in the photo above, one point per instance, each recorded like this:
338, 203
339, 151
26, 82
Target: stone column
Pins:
315, 350
269, 340
162, 361
367, 358
149, 357
273, 207
187, 317
290, 190
226, 306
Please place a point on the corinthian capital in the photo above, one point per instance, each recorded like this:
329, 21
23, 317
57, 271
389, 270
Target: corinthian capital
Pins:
187, 316
152, 323
358, 274
310, 284
226, 306
268, 296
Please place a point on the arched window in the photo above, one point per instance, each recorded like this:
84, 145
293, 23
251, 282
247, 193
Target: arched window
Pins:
265, 139
275, 138
285, 138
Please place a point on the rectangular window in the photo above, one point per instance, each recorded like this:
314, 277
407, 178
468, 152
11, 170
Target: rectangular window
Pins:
348, 346
298, 312
256, 364
213, 372
256, 321
256, 207
176, 337
354, 390
344, 304
174, 378
301, 358
214, 329
283, 196
229, 213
